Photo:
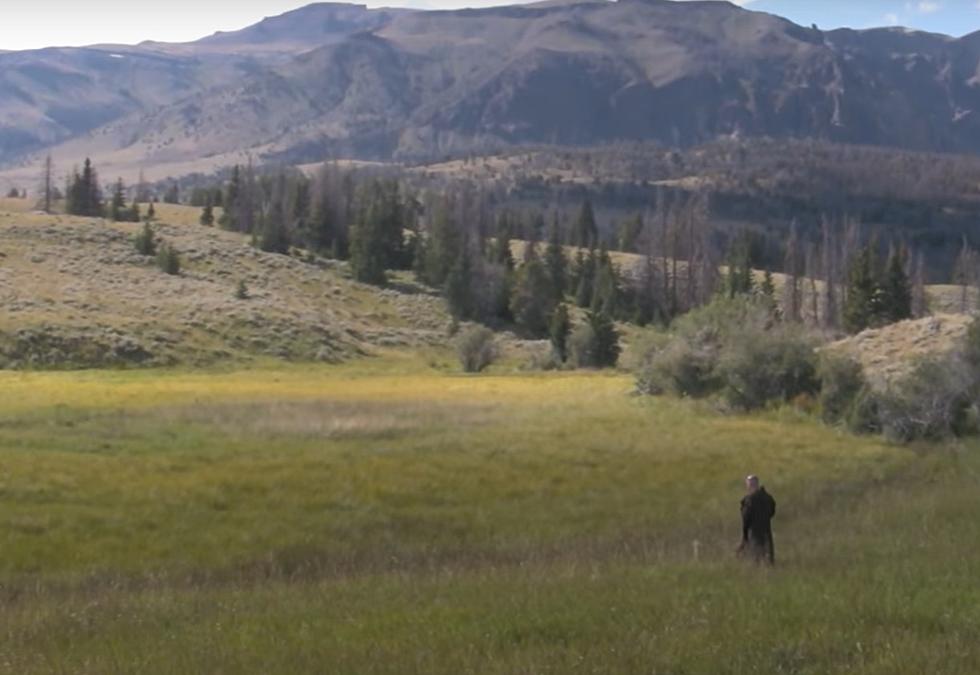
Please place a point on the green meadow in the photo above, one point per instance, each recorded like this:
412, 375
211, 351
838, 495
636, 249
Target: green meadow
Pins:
385, 517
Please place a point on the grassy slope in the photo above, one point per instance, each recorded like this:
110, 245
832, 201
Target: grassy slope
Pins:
80, 279
380, 517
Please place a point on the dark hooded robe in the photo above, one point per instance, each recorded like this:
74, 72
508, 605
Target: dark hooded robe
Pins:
758, 510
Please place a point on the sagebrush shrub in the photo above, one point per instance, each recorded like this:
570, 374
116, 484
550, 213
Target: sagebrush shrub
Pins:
475, 348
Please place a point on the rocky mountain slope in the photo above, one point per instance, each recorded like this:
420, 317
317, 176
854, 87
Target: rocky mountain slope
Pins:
343, 80
74, 292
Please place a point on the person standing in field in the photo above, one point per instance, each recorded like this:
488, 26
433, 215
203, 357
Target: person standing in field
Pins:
758, 509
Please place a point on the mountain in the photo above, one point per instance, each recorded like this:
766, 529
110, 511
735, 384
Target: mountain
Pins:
333, 80
51, 95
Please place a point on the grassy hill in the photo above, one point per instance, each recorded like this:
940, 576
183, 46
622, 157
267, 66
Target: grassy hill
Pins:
76, 293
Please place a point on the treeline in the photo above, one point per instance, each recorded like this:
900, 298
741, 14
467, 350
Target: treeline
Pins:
84, 196
505, 265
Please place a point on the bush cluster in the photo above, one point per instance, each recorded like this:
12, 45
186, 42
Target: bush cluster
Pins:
731, 351
475, 348
732, 347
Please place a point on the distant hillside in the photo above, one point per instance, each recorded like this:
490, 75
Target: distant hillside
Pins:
341, 80
74, 293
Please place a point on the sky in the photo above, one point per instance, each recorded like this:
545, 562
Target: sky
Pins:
29, 24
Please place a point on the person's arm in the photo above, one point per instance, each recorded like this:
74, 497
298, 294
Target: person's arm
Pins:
746, 519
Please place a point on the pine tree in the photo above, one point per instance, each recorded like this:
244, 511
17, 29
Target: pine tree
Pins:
207, 213
606, 348
172, 195
168, 260
117, 207
559, 328
146, 241
501, 252
84, 194
531, 302
606, 290
860, 306
232, 192
151, 212
556, 263
443, 244
367, 251
739, 278
768, 291
629, 233
896, 292
274, 227
459, 289
323, 231
586, 232
586, 280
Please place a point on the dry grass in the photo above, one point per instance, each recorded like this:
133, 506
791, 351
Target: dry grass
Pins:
888, 353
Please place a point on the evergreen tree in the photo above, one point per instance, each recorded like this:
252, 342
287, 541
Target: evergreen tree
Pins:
629, 233
860, 305
896, 291
768, 290
232, 194
367, 250
739, 279
172, 195
532, 302
501, 252
146, 241
443, 244
151, 212
84, 194
559, 329
586, 232
323, 229
207, 213
586, 280
606, 291
556, 264
459, 289
274, 228
117, 207
168, 260
606, 347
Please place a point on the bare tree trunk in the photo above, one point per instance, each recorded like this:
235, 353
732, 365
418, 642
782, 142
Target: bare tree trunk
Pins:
830, 318
791, 268
811, 273
920, 301
47, 184
964, 274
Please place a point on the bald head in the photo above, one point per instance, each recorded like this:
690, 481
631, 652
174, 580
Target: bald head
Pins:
752, 483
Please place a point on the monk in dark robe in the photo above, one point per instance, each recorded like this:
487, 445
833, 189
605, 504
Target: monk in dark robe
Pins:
758, 509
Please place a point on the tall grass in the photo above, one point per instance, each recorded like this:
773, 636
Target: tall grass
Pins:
382, 518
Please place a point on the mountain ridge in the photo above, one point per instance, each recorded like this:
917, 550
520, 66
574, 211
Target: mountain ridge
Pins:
342, 80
